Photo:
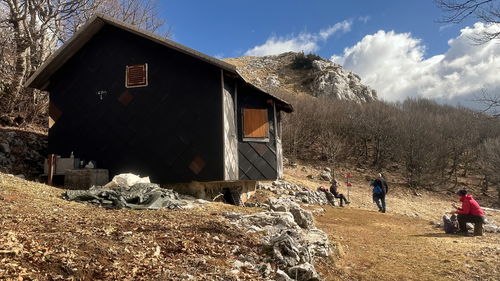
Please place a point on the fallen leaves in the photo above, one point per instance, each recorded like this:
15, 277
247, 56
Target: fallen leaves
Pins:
46, 238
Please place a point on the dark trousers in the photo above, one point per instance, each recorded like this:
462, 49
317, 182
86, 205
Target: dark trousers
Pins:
379, 199
341, 197
464, 219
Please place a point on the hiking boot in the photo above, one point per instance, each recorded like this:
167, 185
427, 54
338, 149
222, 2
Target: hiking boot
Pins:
347, 202
478, 229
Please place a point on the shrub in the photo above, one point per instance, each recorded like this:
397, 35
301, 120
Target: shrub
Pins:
302, 61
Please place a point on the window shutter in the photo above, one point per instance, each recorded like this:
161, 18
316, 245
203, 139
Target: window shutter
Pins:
137, 75
255, 123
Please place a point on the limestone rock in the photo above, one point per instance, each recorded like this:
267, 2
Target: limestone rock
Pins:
282, 276
326, 176
303, 218
324, 78
304, 272
288, 251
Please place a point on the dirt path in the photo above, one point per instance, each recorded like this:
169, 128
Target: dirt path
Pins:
376, 246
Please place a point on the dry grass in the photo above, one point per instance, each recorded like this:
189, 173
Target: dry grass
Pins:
379, 246
400, 244
44, 237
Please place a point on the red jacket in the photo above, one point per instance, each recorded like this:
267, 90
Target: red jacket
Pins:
470, 206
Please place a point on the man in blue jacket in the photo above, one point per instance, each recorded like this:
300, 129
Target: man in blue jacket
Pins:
380, 189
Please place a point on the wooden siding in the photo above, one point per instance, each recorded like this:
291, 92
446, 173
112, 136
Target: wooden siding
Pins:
170, 130
279, 147
230, 133
256, 159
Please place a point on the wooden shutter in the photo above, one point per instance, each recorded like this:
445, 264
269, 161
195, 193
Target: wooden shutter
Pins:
255, 123
137, 75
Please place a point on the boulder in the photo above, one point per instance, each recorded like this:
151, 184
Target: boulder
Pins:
282, 276
303, 218
287, 251
325, 176
303, 272
265, 269
317, 242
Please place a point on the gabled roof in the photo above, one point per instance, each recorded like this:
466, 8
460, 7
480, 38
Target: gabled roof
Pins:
40, 78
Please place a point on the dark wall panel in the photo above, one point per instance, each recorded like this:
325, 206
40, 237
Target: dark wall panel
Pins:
170, 130
257, 160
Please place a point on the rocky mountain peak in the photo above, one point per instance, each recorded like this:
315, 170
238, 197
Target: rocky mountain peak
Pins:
318, 78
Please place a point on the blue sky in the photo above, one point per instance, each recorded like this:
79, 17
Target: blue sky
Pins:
231, 27
362, 35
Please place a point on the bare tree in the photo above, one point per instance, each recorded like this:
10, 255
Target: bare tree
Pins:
141, 13
35, 28
487, 11
490, 161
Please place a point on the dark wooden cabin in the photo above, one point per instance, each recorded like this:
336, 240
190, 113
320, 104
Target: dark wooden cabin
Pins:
135, 102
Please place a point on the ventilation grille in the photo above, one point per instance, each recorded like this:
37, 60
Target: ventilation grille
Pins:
137, 75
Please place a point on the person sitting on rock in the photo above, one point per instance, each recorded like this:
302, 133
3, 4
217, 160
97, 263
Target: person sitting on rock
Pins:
329, 196
334, 191
470, 211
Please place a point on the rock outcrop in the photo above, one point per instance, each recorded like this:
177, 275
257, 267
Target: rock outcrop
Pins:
292, 240
323, 79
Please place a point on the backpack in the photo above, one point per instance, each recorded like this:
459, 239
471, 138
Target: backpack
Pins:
377, 189
450, 224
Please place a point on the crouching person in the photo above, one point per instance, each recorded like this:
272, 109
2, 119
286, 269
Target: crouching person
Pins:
470, 211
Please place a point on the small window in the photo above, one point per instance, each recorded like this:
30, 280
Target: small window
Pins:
255, 125
136, 75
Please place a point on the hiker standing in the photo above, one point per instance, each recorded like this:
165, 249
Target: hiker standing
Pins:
383, 183
470, 211
335, 192
378, 194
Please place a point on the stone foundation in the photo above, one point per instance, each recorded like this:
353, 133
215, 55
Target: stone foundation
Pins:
211, 190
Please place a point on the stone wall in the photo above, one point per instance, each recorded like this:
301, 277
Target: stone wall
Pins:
22, 153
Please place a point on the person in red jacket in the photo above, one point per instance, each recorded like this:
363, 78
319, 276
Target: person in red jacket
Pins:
469, 212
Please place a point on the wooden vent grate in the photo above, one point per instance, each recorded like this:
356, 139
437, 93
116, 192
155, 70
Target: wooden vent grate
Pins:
137, 75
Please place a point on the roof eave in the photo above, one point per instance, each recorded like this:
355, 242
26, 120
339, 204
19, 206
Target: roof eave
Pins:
88, 30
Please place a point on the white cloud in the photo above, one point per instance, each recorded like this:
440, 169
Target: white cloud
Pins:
364, 19
304, 42
395, 66
344, 26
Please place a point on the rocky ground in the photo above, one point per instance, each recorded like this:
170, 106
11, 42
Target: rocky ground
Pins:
44, 237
